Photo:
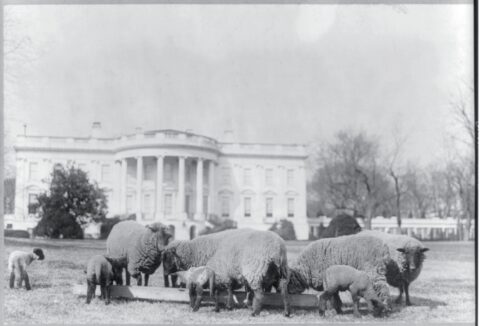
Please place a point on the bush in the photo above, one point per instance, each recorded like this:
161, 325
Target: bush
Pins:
16, 233
59, 225
341, 225
218, 225
284, 229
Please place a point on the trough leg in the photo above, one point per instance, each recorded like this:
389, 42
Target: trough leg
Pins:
257, 301
12, 280
286, 303
407, 295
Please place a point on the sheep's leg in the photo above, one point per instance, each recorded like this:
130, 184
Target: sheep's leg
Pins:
257, 301
19, 277
355, 299
286, 303
127, 277
399, 298
102, 291
215, 295
407, 295
198, 297
145, 281
12, 280
248, 298
192, 294
27, 281
323, 303
107, 294
174, 280
337, 303
90, 291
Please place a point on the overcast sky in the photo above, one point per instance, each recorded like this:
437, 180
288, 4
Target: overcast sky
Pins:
272, 73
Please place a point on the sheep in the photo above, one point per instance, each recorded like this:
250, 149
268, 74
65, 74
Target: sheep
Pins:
342, 278
141, 245
196, 278
239, 257
363, 252
407, 255
103, 270
18, 261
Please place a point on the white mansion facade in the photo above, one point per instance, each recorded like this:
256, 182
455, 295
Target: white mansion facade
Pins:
174, 177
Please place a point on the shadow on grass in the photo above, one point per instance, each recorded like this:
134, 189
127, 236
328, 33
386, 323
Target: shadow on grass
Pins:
418, 302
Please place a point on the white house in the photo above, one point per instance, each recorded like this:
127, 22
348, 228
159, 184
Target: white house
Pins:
174, 177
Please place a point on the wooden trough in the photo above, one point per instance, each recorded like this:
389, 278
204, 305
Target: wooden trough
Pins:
181, 296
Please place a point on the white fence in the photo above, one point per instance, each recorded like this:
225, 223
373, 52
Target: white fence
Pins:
421, 228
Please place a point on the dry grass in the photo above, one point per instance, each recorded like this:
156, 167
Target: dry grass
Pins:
443, 292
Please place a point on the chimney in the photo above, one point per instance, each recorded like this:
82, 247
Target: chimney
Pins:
96, 129
228, 136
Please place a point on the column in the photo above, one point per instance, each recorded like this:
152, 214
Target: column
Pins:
139, 187
211, 187
159, 188
181, 188
199, 193
123, 187
117, 183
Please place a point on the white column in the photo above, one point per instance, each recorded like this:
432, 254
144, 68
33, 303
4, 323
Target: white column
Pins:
181, 188
211, 187
139, 187
117, 183
123, 186
199, 193
159, 188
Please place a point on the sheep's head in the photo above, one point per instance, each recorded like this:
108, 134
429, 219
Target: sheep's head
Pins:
297, 284
160, 235
413, 257
118, 263
171, 261
39, 253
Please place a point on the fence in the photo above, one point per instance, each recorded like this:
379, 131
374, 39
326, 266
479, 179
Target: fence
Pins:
420, 228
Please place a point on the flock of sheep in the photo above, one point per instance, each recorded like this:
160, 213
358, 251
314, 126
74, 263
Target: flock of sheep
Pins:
364, 264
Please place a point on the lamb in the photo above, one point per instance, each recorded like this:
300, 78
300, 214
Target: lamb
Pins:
141, 245
342, 278
363, 252
103, 270
196, 279
18, 261
239, 257
407, 255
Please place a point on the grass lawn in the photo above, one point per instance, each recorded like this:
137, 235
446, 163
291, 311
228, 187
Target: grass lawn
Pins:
444, 291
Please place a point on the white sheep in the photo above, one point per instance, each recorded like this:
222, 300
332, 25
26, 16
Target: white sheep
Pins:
18, 261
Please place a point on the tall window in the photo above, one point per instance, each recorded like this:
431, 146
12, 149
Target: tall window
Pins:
269, 206
147, 203
168, 171
32, 201
150, 171
269, 177
33, 171
130, 203
106, 173
225, 206
291, 207
247, 177
225, 176
168, 204
290, 177
247, 206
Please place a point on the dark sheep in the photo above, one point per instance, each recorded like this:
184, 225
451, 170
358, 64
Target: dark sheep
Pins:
18, 261
103, 270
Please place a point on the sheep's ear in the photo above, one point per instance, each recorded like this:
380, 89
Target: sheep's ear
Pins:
152, 227
116, 261
402, 250
424, 249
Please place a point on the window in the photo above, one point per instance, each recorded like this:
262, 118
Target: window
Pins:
33, 171
225, 206
9, 226
168, 172
150, 171
247, 177
130, 203
168, 204
269, 177
147, 203
106, 173
225, 176
32, 202
247, 206
269, 206
290, 177
291, 207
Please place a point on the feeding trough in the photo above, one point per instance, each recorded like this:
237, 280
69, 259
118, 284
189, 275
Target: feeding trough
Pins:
180, 295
